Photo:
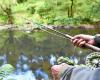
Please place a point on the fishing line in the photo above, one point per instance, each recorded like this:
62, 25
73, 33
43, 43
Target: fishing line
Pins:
52, 33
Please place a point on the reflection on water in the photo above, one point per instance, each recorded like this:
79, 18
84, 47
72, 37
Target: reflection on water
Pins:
3, 59
28, 75
52, 59
23, 70
74, 58
41, 74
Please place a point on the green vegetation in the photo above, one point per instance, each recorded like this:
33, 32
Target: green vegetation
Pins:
65, 60
5, 71
55, 12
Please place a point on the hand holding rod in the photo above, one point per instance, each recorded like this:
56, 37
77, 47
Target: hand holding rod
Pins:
94, 48
89, 46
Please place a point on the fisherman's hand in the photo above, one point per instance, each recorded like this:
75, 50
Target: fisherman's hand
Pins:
57, 70
81, 39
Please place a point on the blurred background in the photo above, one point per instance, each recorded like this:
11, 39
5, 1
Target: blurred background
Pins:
33, 51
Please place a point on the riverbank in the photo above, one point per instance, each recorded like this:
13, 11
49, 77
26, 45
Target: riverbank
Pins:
31, 27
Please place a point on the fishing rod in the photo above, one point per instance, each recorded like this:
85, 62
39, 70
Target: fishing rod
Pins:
94, 48
42, 27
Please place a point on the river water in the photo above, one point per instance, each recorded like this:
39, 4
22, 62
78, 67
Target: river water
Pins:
33, 53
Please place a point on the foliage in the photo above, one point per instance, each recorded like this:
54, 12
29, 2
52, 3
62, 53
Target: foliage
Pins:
6, 70
6, 9
57, 12
92, 60
65, 60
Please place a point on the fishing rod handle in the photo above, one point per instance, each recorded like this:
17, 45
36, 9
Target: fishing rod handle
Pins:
94, 48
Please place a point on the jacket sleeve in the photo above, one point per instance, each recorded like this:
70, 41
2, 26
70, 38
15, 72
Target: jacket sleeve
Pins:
83, 73
97, 40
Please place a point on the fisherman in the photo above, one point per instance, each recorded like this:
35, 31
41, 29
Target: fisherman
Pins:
67, 72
